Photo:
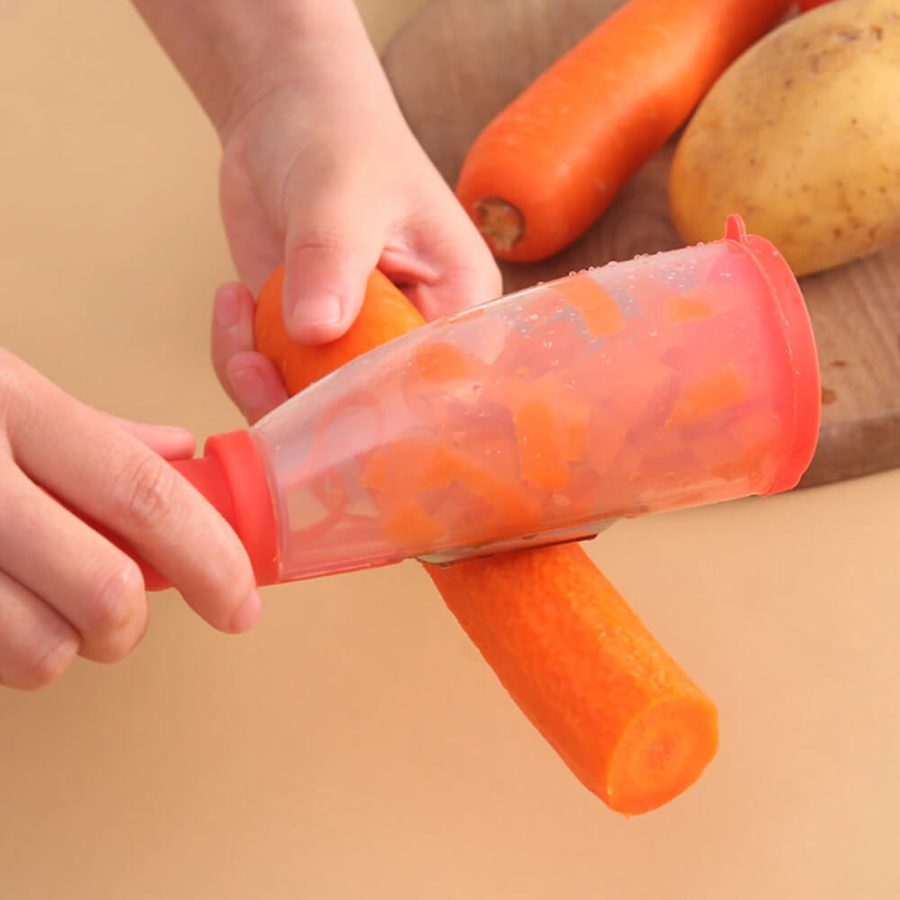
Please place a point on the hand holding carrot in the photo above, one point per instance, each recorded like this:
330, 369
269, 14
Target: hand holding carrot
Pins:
319, 171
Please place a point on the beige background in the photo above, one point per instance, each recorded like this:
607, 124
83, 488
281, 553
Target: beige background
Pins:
355, 746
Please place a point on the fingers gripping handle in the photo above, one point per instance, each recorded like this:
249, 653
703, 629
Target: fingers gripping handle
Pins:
232, 477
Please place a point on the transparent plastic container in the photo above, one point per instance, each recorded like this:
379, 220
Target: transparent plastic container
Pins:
675, 380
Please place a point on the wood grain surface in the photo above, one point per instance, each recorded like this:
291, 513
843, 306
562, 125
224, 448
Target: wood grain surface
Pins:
458, 62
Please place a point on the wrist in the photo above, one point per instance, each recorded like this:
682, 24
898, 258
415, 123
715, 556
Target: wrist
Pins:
234, 52
307, 47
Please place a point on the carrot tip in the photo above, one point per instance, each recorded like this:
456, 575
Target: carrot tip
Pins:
662, 752
500, 223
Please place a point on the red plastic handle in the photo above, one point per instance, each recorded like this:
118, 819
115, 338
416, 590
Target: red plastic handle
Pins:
206, 475
232, 477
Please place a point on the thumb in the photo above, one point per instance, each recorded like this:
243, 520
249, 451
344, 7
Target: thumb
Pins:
330, 251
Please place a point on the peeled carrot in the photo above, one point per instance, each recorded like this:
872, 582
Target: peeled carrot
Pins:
550, 163
579, 663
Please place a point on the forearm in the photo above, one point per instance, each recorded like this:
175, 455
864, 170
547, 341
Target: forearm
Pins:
232, 51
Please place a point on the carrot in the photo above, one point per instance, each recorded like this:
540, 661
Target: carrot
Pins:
376, 324
550, 163
578, 662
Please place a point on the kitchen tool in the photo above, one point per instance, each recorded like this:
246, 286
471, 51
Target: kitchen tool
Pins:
458, 62
680, 379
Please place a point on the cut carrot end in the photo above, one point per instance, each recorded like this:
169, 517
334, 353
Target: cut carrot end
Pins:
500, 223
661, 753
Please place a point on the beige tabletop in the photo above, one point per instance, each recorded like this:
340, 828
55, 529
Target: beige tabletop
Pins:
355, 745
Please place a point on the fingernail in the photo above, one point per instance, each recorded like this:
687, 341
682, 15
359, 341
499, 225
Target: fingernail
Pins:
323, 309
249, 386
247, 614
228, 308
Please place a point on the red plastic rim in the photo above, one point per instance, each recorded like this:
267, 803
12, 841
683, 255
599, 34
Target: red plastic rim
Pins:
801, 348
254, 514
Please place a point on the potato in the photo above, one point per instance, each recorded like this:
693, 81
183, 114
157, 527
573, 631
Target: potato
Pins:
801, 136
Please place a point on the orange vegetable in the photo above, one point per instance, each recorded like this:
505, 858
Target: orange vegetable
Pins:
549, 164
586, 671
599, 310
406, 465
405, 522
704, 397
577, 423
757, 438
606, 434
685, 308
647, 377
579, 663
441, 362
377, 323
542, 449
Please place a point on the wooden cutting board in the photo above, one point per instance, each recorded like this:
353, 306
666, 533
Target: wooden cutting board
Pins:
458, 62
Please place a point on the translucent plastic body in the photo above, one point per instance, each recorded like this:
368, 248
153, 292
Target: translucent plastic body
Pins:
665, 382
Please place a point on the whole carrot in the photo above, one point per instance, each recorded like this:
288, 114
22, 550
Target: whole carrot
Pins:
550, 163
579, 663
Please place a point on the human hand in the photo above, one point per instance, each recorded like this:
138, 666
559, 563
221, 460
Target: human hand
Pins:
319, 172
65, 589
